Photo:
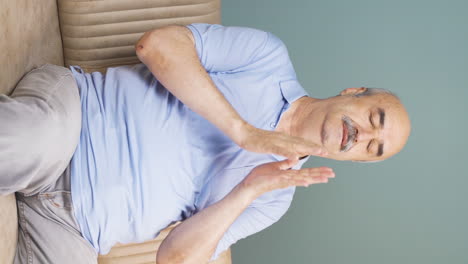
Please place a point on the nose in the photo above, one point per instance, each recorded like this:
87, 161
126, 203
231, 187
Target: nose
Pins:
367, 134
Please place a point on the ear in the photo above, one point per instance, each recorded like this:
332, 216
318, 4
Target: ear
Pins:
353, 91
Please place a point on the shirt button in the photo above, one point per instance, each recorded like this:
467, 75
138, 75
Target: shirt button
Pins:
272, 125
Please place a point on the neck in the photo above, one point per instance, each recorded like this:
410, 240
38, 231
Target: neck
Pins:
293, 119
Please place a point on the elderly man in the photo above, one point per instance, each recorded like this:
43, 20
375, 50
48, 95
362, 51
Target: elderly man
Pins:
212, 130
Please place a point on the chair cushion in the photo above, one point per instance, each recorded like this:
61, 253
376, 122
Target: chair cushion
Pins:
100, 34
146, 252
8, 228
30, 37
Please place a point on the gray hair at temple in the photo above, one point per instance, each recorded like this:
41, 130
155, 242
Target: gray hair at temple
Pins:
373, 91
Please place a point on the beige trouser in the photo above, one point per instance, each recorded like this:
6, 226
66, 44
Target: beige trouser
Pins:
40, 125
39, 129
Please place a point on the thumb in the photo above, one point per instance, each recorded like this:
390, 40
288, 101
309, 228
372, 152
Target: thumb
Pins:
287, 163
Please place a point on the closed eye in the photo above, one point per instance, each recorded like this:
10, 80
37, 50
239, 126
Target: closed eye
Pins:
369, 145
371, 121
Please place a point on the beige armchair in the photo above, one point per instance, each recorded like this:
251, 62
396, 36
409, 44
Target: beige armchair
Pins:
94, 34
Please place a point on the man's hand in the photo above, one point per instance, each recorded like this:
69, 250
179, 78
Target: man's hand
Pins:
195, 239
277, 175
263, 141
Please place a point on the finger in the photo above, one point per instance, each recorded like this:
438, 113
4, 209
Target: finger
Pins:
324, 171
306, 175
309, 176
297, 146
285, 150
316, 172
304, 147
309, 172
316, 180
287, 163
313, 180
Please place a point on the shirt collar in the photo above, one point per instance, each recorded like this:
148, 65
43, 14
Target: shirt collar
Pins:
292, 90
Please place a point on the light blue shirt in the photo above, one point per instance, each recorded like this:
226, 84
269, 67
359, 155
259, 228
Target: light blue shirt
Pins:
145, 160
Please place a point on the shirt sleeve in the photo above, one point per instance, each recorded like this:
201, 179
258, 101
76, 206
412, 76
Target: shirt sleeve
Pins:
235, 49
262, 213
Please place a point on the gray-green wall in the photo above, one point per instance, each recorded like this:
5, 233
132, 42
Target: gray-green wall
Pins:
412, 208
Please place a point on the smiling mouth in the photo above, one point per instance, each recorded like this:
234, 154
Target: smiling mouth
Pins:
344, 138
349, 134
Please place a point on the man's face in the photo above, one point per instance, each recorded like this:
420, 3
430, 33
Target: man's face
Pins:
364, 128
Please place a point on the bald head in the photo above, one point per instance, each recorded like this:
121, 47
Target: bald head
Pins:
360, 124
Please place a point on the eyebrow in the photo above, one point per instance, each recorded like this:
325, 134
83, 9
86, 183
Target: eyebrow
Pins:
382, 123
382, 117
380, 150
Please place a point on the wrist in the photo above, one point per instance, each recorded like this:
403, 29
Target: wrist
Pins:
248, 190
240, 131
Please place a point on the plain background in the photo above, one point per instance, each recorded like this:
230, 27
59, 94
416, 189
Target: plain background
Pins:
412, 208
